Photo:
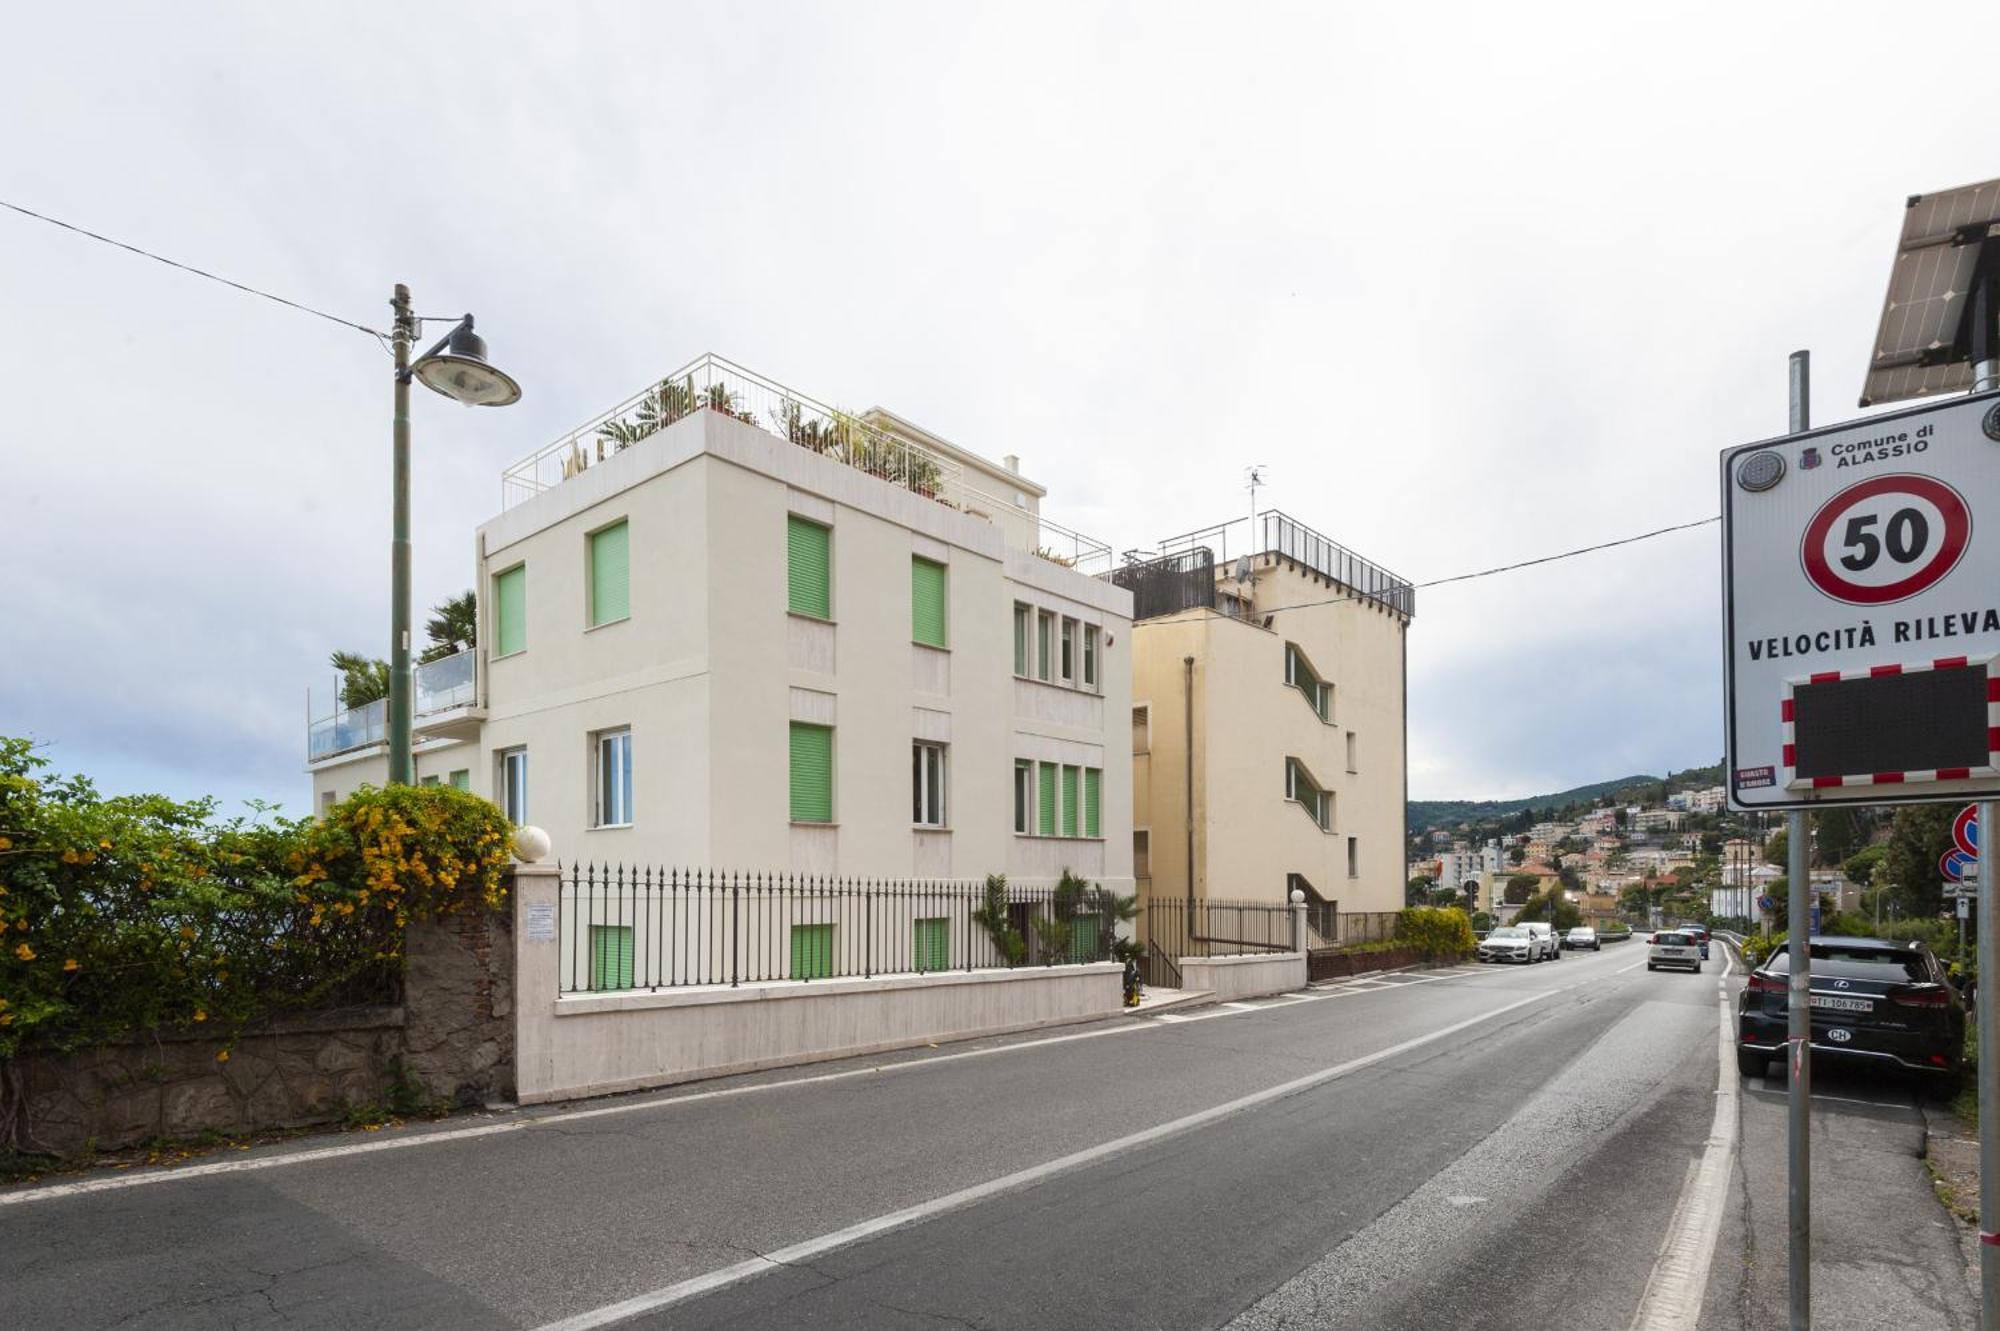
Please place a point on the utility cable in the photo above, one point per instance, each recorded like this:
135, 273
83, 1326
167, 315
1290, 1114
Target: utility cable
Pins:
190, 268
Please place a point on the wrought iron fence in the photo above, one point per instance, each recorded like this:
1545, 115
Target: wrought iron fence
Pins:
1177, 928
623, 927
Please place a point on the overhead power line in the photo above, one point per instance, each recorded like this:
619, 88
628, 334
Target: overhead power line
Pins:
1569, 554
190, 268
1508, 568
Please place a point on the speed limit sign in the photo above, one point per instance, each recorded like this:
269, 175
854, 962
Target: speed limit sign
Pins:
1861, 587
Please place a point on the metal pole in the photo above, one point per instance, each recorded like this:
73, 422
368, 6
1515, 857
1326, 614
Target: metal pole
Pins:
1798, 1005
400, 710
1987, 932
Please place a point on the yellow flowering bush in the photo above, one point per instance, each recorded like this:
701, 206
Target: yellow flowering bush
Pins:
125, 914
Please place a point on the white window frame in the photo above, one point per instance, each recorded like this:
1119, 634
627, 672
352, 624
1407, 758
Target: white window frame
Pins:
1142, 722
930, 781
510, 779
1066, 666
1045, 636
1024, 797
1091, 647
610, 802
1351, 752
1024, 639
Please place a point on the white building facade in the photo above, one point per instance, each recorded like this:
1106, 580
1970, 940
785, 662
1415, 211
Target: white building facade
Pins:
726, 627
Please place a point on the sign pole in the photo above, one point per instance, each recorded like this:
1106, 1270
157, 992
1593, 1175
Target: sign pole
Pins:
1798, 1006
1987, 932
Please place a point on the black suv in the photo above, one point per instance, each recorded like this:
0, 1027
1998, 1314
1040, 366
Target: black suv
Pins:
1873, 1001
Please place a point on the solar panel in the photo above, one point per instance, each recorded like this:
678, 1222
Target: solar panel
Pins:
1922, 347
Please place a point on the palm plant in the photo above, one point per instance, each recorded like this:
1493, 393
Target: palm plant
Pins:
453, 627
363, 679
666, 403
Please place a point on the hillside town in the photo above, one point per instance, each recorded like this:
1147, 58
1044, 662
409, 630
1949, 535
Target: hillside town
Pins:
1651, 855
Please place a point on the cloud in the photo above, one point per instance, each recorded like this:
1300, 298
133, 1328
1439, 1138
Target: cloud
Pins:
1472, 289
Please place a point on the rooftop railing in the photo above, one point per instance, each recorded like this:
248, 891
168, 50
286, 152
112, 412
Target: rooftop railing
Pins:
711, 383
1273, 532
440, 686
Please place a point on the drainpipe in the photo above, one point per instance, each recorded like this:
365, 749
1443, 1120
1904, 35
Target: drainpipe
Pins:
1187, 698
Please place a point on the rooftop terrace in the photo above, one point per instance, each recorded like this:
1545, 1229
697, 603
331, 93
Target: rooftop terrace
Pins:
710, 383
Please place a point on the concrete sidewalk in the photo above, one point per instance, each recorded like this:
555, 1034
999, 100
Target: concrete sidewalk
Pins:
1885, 1252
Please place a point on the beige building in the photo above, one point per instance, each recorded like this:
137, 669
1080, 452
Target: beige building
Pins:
1268, 696
725, 626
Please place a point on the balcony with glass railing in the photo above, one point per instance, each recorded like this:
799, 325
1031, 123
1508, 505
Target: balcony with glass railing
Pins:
445, 688
711, 383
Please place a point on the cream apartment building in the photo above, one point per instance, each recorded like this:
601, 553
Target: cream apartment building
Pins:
728, 627
1268, 699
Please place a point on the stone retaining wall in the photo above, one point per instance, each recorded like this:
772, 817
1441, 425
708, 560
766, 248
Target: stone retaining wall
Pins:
451, 1041
299, 1070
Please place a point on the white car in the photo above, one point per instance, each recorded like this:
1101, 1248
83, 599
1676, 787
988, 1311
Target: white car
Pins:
1508, 943
1674, 949
1581, 937
1546, 942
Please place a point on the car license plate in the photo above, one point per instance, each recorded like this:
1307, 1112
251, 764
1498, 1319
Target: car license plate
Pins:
1833, 1004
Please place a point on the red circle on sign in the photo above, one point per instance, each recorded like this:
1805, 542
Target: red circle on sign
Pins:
1957, 535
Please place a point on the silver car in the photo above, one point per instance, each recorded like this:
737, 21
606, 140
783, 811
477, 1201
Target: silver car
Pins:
1507, 943
1674, 949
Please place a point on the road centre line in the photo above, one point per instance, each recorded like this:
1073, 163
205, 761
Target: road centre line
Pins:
210, 1168
809, 1249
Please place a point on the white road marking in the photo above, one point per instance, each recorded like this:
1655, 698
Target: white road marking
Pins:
210, 1168
1674, 1290
1239, 1007
806, 1251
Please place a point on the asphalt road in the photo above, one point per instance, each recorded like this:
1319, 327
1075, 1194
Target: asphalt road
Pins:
1478, 1148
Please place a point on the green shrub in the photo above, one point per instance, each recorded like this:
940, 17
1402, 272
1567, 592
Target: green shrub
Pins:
126, 914
1440, 933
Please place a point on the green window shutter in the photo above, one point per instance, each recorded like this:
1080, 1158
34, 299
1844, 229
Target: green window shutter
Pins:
610, 575
927, 594
1069, 795
461, 779
428, 781
812, 773
510, 611
812, 951
1083, 938
811, 568
1093, 795
931, 944
610, 956
1046, 796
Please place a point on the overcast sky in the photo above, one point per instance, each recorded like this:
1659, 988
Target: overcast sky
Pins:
1475, 284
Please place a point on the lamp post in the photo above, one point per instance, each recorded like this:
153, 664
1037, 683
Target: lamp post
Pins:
457, 368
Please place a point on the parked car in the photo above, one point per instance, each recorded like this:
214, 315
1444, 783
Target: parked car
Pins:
1700, 933
1581, 937
1546, 944
1507, 943
1674, 948
1873, 1001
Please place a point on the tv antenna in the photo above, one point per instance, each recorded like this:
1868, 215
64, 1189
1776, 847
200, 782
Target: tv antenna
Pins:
1254, 475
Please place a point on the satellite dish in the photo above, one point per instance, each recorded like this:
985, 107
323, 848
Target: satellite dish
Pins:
1243, 569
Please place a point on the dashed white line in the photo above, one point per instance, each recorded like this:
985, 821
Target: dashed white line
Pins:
806, 1251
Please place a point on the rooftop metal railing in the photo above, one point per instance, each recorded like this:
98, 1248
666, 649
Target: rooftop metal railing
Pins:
1273, 532
441, 685
711, 383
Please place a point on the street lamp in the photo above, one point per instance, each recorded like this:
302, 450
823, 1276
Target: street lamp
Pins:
457, 368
